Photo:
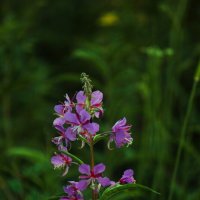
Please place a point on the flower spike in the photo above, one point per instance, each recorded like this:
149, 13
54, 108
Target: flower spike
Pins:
75, 121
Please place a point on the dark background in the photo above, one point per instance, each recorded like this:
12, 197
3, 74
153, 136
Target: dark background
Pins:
141, 54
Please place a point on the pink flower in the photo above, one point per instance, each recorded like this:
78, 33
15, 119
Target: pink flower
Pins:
120, 133
61, 161
75, 187
90, 176
127, 177
95, 103
61, 109
65, 138
81, 122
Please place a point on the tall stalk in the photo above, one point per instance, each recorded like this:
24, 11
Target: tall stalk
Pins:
92, 163
87, 87
183, 131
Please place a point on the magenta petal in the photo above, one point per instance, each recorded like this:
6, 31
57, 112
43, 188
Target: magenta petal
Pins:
98, 169
70, 189
119, 125
59, 121
82, 185
128, 173
84, 169
97, 97
95, 127
92, 128
127, 177
60, 128
99, 113
57, 161
60, 160
119, 138
65, 188
104, 181
70, 134
59, 109
71, 118
121, 122
79, 108
85, 116
73, 190
80, 97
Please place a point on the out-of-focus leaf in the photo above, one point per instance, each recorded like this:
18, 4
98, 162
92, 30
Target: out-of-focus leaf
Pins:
65, 77
109, 193
28, 153
93, 57
16, 185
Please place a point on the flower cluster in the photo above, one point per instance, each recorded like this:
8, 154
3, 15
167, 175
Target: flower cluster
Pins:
75, 121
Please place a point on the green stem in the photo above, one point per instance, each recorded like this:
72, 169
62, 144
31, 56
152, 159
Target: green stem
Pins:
73, 156
91, 152
183, 132
92, 163
101, 136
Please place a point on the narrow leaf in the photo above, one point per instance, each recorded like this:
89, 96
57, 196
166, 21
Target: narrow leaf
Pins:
28, 153
133, 188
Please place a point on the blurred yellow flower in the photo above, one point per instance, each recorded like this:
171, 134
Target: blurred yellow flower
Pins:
108, 19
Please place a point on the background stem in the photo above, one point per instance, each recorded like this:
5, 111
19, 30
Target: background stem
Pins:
182, 137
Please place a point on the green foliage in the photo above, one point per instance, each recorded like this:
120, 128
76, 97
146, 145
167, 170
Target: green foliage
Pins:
133, 190
27, 153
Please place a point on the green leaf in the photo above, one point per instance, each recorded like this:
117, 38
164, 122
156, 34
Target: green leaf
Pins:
28, 153
73, 156
109, 193
15, 185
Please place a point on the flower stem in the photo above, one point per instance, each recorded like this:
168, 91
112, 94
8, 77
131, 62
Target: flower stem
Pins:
92, 163
73, 156
183, 131
91, 152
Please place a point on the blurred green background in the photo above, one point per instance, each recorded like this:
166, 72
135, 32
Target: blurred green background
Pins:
141, 54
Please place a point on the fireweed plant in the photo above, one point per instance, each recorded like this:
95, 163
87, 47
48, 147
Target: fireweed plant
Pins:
75, 121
